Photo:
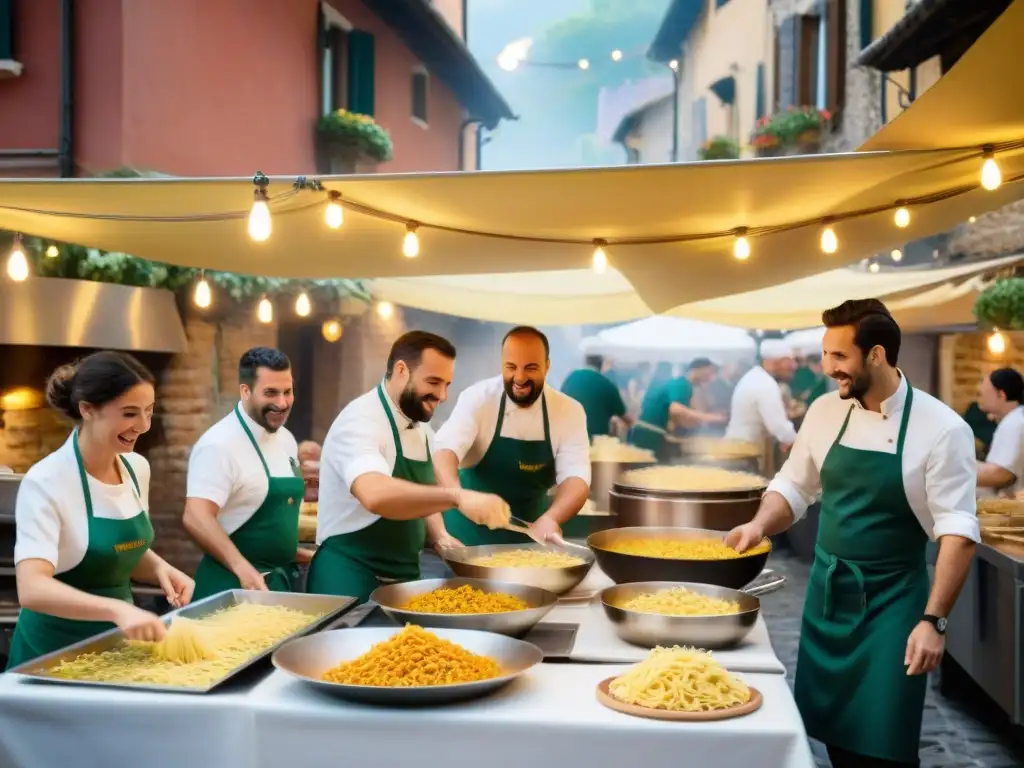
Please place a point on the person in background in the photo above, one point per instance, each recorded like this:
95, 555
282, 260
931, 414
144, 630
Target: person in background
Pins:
82, 528
809, 382
309, 465
758, 407
670, 405
1002, 393
598, 395
982, 426
244, 485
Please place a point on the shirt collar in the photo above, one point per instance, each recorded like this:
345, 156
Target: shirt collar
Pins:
403, 421
895, 402
258, 432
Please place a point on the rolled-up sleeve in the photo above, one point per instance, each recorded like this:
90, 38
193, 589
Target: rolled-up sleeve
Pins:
355, 448
773, 413
572, 455
460, 431
799, 480
1007, 449
951, 476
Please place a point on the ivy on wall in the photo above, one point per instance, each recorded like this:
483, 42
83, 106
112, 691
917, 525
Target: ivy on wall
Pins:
1001, 305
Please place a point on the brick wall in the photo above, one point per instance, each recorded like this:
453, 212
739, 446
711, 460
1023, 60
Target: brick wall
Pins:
29, 435
965, 359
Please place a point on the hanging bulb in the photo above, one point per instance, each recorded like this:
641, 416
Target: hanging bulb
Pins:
331, 330
265, 311
17, 262
385, 309
873, 267
52, 252
333, 214
897, 254
902, 217
972, 219
741, 246
996, 343
616, 55
583, 64
303, 306
600, 258
829, 241
674, 65
259, 217
203, 297
991, 177
411, 243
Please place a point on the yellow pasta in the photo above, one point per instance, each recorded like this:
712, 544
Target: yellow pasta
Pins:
686, 478
683, 549
184, 643
722, 448
608, 448
464, 600
680, 680
527, 558
680, 601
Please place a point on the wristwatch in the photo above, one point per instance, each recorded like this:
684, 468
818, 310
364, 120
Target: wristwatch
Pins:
939, 622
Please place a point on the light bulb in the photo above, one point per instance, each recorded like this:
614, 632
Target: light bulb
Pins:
583, 64
202, 297
616, 55
52, 252
385, 309
996, 343
673, 64
259, 219
302, 305
331, 330
902, 217
17, 263
972, 219
873, 267
411, 243
991, 177
600, 260
265, 311
829, 241
897, 254
333, 214
741, 248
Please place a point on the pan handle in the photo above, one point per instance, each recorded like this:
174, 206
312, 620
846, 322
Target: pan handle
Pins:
757, 588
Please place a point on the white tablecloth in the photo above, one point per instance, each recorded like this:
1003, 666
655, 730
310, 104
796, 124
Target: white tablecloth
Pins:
548, 717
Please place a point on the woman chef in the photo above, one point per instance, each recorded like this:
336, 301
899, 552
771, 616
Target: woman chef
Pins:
517, 439
83, 533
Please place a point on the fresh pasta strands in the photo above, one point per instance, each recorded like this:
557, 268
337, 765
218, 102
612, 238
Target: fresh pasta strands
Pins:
682, 549
680, 601
527, 558
680, 680
687, 478
184, 643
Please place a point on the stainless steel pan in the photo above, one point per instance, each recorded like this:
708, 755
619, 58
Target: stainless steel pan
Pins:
557, 580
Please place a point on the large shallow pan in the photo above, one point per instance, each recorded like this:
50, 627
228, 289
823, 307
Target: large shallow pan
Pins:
650, 629
557, 580
308, 658
627, 569
392, 597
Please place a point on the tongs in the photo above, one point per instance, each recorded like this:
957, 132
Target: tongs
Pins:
523, 527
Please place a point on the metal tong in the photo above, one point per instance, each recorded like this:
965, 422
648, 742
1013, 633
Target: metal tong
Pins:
523, 527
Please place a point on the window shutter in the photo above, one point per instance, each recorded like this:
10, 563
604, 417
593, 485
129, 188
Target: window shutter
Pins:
807, 40
836, 57
361, 80
6, 29
786, 63
759, 105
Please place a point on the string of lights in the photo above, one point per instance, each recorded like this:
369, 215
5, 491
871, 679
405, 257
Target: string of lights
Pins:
517, 54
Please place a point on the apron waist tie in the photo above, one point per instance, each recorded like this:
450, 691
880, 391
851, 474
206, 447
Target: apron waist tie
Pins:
833, 564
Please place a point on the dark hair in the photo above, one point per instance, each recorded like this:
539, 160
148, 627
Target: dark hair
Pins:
701, 362
409, 348
873, 326
98, 379
814, 357
1009, 382
261, 357
594, 361
529, 330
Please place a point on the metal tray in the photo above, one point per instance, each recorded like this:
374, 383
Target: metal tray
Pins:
333, 608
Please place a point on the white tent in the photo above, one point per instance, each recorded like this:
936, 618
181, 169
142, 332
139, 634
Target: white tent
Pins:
807, 341
672, 340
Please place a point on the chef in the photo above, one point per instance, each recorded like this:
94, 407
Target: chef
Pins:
758, 406
895, 467
244, 485
378, 500
518, 439
81, 523
1002, 393
309, 466
670, 404
600, 398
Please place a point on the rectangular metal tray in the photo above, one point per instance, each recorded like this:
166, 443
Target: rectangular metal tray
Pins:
333, 608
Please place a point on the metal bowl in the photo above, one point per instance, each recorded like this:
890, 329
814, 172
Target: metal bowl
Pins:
604, 475
557, 580
733, 573
308, 658
651, 629
392, 597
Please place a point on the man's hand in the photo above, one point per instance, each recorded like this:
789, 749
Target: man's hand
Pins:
484, 508
249, 578
303, 555
545, 529
446, 541
924, 649
743, 537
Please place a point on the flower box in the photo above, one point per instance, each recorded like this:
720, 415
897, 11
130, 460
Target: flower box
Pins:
347, 142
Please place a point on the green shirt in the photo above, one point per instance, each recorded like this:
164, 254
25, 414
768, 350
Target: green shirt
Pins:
599, 397
657, 402
807, 386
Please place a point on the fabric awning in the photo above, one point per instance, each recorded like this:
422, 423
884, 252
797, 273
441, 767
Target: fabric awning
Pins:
724, 89
671, 339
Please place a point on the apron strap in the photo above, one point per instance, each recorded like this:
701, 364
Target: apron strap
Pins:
501, 418
544, 414
83, 477
906, 418
399, 456
846, 423
252, 440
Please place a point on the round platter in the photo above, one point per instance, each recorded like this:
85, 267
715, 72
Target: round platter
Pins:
605, 697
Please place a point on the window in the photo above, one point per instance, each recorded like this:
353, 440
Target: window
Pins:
335, 74
6, 30
347, 65
835, 58
420, 90
810, 59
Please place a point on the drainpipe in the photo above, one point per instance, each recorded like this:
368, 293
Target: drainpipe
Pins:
675, 111
462, 141
66, 155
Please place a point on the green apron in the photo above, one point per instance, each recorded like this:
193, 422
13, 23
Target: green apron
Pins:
113, 551
269, 539
868, 590
519, 471
384, 552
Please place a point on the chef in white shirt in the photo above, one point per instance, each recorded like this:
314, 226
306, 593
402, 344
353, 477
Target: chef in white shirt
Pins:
378, 499
244, 485
1002, 393
517, 438
895, 467
758, 408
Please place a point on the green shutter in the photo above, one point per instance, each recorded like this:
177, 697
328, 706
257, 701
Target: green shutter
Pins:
867, 21
6, 29
759, 109
361, 78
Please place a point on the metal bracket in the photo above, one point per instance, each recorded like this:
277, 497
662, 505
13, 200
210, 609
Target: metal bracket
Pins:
905, 97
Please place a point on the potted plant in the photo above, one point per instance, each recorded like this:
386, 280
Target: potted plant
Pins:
1001, 304
765, 138
802, 127
346, 139
720, 148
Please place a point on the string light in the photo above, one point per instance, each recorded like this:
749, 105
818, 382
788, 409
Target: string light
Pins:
741, 246
829, 241
385, 309
902, 217
203, 296
673, 65
616, 55
873, 267
996, 342
265, 311
333, 214
52, 252
411, 243
259, 215
303, 306
972, 219
600, 259
17, 262
583, 64
331, 330
991, 176
897, 254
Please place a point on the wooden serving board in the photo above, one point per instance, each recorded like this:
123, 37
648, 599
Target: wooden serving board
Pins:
605, 697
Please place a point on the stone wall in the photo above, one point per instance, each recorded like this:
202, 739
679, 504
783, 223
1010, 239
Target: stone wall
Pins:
30, 434
965, 359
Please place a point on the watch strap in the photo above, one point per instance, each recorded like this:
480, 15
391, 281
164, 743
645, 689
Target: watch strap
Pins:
939, 622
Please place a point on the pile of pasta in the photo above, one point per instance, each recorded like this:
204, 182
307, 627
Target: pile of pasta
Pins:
680, 680
414, 658
722, 448
683, 549
687, 478
609, 448
464, 600
527, 558
194, 653
680, 601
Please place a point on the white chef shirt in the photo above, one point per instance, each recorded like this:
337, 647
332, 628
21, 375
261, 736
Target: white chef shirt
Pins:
51, 521
470, 429
939, 468
359, 442
1007, 449
224, 467
758, 410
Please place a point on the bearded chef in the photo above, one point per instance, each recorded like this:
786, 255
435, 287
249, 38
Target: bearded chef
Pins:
1002, 393
758, 407
895, 467
518, 439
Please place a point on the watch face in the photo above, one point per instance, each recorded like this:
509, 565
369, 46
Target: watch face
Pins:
941, 625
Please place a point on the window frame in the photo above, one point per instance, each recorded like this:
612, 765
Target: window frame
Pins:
332, 19
419, 72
